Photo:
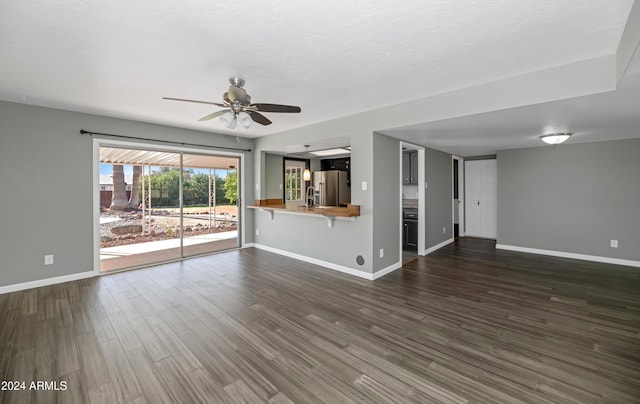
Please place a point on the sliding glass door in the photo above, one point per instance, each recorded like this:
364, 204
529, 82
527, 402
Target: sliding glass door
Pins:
210, 211
158, 206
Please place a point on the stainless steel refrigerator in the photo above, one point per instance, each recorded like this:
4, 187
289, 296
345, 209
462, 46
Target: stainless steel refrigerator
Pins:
331, 188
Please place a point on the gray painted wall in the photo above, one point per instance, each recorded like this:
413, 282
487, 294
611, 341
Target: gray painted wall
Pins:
571, 198
541, 86
46, 174
438, 197
310, 236
273, 179
386, 201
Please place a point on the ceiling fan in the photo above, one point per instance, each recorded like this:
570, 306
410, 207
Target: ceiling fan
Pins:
239, 107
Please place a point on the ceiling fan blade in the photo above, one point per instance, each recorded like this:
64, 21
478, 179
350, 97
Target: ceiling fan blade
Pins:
213, 115
238, 94
259, 118
199, 102
276, 108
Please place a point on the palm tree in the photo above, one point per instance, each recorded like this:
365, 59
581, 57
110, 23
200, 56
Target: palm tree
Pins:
134, 200
119, 200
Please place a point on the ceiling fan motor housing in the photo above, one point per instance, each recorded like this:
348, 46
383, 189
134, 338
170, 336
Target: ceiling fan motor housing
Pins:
236, 81
239, 102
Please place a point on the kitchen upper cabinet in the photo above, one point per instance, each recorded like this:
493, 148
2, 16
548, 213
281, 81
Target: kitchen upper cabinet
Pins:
341, 164
409, 167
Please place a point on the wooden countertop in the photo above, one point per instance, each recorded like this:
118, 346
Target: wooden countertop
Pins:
332, 211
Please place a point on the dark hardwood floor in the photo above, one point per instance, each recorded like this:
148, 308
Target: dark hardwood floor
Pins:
465, 324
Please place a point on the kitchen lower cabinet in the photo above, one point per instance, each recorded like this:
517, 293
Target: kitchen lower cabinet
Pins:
410, 229
410, 235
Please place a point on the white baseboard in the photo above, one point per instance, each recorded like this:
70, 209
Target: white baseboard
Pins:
386, 270
326, 264
438, 246
562, 254
45, 282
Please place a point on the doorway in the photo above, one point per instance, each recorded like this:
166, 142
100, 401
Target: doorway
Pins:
294, 184
458, 196
164, 205
412, 201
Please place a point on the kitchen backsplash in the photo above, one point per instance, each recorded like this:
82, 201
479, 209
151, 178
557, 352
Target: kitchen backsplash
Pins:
410, 191
409, 203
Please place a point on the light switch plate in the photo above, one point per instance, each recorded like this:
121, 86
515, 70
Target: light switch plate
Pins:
364, 185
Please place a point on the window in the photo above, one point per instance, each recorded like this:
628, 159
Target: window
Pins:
294, 184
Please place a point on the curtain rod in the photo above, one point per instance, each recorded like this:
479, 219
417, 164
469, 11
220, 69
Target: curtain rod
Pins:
85, 132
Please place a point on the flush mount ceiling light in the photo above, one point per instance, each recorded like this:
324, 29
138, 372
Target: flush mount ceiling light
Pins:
556, 138
331, 152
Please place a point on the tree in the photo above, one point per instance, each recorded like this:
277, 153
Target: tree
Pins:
119, 199
167, 180
231, 187
199, 189
220, 198
134, 199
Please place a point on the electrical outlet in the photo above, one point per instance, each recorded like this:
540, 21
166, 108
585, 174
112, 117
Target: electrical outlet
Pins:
280, 187
614, 243
364, 185
48, 259
257, 232
382, 253
444, 230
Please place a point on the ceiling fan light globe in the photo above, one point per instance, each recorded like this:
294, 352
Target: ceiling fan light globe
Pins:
245, 119
228, 119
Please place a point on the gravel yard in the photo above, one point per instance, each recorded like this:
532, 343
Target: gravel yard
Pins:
122, 228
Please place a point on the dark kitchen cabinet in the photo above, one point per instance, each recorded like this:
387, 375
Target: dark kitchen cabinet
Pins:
410, 229
341, 164
409, 167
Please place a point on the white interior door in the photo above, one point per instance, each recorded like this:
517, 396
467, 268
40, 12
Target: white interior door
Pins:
488, 198
481, 198
472, 170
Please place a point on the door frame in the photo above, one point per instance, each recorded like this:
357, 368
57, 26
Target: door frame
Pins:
106, 142
303, 190
461, 205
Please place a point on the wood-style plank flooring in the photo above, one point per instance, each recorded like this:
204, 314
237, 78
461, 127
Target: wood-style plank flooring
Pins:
168, 254
466, 324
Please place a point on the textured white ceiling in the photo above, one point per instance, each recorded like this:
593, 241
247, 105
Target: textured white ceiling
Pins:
333, 58
611, 115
